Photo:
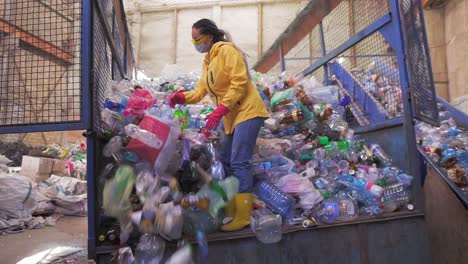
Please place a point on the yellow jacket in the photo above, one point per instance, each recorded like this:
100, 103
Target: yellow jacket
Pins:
225, 78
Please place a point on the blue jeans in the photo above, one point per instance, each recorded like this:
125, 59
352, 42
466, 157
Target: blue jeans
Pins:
237, 151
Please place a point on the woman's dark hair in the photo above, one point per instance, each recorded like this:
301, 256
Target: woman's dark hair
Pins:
208, 27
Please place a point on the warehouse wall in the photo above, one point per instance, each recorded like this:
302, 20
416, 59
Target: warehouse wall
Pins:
456, 39
161, 30
447, 31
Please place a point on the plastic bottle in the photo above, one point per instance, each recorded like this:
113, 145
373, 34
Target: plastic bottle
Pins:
196, 122
324, 186
166, 111
290, 118
266, 225
277, 200
302, 97
144, 136
336, 209
360, 184
368, 157
113, 105
381, 155
150, 249
114, 146
288, 132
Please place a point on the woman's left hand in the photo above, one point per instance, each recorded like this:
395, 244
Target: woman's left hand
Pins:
214, 118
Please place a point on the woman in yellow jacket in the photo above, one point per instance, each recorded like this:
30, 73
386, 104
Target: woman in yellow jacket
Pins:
225, 77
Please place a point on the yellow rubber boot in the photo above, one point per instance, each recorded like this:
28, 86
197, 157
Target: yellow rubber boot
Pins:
229, 211
243, 206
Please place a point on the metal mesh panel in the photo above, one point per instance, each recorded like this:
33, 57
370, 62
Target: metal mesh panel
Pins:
350, 17
101, 69
117, 75
368, 73
276, 18
304, 53
417, 54
319, 75
107, 12
40, 64
276, 70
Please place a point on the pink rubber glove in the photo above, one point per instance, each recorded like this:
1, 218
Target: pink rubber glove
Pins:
214, 118
176, 98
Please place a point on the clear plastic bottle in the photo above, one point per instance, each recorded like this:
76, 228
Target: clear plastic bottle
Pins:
166, 111
381, 155
360, 184
266, 225
114, 146
277, 200
196, 122
144, 136
150, 249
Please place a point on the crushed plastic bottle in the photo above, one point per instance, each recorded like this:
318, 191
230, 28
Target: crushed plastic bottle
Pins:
266, 226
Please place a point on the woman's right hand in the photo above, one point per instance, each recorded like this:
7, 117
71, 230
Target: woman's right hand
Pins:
176, 98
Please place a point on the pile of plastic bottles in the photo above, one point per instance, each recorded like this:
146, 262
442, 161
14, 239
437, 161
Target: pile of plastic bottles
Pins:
446, 146
382, 82
163, 179
306, 147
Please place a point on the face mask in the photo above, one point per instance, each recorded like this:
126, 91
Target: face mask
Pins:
202, 48
201, 44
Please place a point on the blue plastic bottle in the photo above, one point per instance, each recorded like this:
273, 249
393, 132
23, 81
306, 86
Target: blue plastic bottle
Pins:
278, 201
196, 123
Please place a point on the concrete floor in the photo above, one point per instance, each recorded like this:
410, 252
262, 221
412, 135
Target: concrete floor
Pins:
68, 231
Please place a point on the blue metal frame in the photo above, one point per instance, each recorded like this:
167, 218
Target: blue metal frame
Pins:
349, 43
90, 140
391, 27
110, 40
324, 53
429, 65
414, 157
85, 85
375, 110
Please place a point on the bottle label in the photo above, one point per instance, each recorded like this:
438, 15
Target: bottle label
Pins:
332, 209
